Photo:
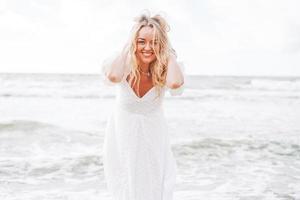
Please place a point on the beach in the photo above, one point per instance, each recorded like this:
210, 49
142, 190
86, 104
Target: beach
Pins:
233, 137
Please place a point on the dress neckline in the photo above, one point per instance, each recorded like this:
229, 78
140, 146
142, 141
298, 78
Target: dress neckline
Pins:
135, 95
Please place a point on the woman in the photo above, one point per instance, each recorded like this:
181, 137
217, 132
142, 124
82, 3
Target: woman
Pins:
137, 157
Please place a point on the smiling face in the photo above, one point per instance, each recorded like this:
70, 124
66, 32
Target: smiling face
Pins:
144, 46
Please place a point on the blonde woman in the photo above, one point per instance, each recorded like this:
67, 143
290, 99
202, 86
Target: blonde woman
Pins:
137, 157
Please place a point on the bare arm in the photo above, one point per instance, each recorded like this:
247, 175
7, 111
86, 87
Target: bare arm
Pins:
115, 69
175, 76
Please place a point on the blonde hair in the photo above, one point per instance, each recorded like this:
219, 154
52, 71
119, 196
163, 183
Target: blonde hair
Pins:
158, 68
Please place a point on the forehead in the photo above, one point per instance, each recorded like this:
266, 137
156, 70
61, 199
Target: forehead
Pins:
146, 33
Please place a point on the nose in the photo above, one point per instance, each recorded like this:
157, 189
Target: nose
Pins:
148, 46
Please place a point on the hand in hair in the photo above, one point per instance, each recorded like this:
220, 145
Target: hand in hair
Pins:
175, 76
116, 67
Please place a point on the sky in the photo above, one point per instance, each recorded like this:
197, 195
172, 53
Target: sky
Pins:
211, 37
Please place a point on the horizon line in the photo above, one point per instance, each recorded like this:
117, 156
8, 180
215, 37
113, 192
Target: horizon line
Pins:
88, 74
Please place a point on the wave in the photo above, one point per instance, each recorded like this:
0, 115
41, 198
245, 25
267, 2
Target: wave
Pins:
52, 168
12, 95
243, 83
91, 87
269, 84
210, 148
43, 151
24, 125
193, 95
44, 133
197, 95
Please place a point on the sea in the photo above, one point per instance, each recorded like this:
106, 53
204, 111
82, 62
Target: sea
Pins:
233, 137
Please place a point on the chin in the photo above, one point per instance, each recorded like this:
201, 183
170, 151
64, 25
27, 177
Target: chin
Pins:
147, 61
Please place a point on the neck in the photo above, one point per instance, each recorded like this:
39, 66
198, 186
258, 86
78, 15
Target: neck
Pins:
144, 67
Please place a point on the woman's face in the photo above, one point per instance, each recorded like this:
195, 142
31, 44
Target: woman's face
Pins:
145, 53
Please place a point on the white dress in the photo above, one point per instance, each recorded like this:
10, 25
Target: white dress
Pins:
137, 157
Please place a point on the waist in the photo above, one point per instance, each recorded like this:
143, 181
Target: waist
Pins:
140, 107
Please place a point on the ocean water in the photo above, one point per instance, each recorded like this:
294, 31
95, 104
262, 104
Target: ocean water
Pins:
238, 139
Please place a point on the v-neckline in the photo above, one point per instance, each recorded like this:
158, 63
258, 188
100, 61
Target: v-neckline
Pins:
136, 96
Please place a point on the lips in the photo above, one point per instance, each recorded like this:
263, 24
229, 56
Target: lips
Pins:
147, 54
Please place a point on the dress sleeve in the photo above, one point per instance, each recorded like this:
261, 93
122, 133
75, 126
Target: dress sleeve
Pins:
178, 91
105, 66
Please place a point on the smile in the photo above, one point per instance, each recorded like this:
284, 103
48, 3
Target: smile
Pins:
148, 54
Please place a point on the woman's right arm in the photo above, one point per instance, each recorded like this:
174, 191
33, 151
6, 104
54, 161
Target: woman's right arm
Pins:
114, 69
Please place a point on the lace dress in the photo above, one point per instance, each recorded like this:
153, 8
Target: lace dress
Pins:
137, 158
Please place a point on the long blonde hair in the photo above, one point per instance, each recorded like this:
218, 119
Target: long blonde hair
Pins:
158, 68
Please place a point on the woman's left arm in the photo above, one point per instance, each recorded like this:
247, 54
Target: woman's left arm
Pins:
175, 76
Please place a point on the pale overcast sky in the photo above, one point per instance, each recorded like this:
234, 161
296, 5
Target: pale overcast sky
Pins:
212, 37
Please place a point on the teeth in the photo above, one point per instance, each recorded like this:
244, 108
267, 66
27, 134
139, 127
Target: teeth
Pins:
147, 54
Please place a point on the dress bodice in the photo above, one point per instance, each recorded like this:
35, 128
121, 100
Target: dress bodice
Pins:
128, 100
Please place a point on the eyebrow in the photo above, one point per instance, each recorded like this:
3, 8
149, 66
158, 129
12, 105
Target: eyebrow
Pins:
144, 39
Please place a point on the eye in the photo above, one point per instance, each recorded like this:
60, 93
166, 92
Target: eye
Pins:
141, 42
155, 42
